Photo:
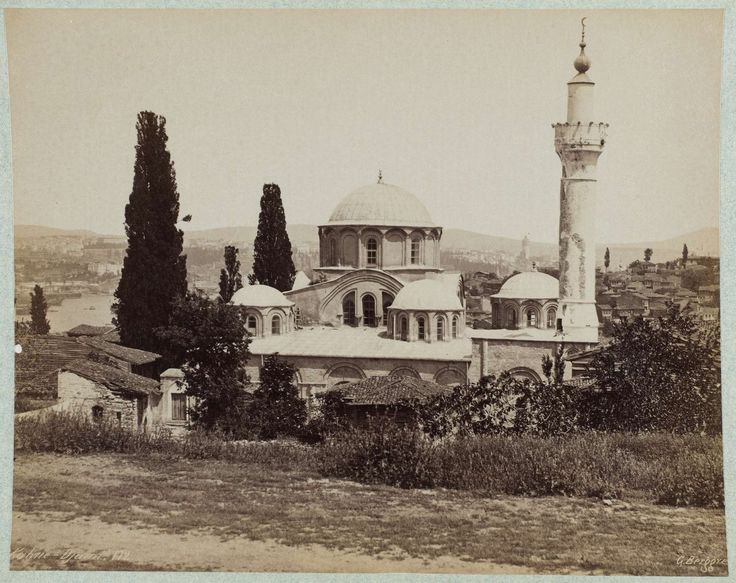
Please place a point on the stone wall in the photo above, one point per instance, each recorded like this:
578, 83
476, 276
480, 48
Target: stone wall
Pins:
521, 357
317, 374
79, 393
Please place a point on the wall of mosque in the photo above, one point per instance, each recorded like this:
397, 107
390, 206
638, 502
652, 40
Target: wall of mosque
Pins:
316, 374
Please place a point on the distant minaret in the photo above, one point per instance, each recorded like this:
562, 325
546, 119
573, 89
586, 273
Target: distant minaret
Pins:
578, 142
525, 247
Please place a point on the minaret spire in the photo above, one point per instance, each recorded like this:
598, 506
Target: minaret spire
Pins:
579, 142
582, 63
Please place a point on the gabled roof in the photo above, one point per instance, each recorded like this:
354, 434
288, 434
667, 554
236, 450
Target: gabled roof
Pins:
87, 330
43, 355
131, 355
118, 381
388, 390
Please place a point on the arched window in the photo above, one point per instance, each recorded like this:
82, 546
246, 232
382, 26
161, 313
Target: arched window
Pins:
511, 318
371, 252
551, 318
404, 328
333, 252
531, 318
348, 309
440, 328
369, 310
454, 327
251, 325
276, 325
386, 301
416, 251
421, 330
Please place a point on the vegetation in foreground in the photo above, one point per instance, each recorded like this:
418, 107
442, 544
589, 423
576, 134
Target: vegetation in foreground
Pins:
144, 495
680, 470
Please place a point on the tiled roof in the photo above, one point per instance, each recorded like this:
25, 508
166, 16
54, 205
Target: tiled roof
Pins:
42, 356
87, 330
389, 389
112, 336
131, 355
118, 381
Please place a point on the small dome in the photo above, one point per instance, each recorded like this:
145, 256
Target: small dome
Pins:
260, 296
428, 294
530, 285
381, 205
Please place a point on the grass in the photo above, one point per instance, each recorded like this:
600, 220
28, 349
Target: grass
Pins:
234, 499
679, 470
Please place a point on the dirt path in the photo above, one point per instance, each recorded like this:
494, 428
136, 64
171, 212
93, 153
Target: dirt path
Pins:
50, 542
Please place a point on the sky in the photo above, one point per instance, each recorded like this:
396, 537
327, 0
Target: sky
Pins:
454, 106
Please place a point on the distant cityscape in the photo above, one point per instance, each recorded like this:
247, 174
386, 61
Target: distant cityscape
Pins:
82, 269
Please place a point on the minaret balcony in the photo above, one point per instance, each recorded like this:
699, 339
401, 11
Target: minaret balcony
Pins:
580, 135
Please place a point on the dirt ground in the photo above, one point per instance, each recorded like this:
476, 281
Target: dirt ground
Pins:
136, 548
116, 512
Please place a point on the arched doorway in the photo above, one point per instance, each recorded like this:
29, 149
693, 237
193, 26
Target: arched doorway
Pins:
404, 328
531, 318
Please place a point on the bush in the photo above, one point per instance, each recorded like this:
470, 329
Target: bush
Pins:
383, 454
76, 433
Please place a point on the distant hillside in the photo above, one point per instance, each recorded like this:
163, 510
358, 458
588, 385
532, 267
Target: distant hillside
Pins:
33, 231
305, 234
701, 242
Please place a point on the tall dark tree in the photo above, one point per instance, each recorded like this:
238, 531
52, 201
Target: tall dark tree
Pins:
230, 278
39, 308
607, 259
648, 254
684, 254
209, 337
272, 261
154, 270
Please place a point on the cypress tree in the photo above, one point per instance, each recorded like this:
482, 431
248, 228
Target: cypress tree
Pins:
39, 323
230, 278
154, 271
684, 254
272, 261
607, 259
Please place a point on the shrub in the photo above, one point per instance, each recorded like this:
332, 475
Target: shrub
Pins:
382, 454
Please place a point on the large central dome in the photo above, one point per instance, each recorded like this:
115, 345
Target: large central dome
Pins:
381, 205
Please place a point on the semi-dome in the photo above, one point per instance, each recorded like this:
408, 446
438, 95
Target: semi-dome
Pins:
260, 296
428, 294
381, 205
530, 285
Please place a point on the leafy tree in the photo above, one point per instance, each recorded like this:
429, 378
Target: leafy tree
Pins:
684, 254
272, 261
209, 338
648, 254
230, 278
276, 409
662, 374
39, 308
154, 271
607, 258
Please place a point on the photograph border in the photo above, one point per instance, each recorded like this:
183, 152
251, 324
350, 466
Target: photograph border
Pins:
728, 273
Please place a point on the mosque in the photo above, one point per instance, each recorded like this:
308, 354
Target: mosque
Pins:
381, 304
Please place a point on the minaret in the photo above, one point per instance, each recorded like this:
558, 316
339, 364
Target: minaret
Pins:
578, 142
